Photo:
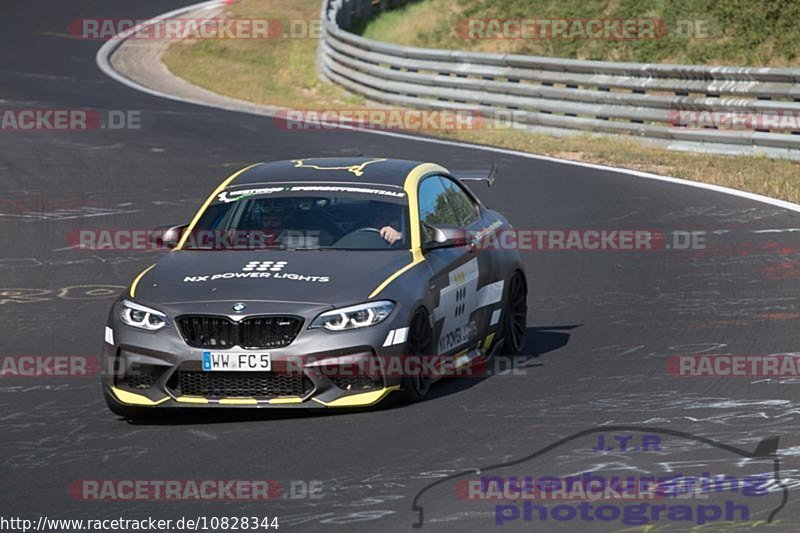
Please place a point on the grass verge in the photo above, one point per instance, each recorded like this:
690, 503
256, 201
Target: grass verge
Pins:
718, 32
281, 72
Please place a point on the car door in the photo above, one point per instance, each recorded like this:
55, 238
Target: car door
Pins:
456, 269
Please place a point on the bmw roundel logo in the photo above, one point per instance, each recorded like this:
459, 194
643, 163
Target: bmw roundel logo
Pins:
239, 307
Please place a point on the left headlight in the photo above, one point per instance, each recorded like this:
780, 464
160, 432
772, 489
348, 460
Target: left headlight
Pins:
139, 316
355, 316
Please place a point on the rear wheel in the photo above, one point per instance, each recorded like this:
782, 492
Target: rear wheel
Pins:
420, 342
516, 319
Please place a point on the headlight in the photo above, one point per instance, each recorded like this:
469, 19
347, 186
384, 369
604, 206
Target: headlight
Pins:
355, 316
142, 317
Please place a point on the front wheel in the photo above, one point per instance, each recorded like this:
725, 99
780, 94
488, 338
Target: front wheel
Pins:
420, 342
516, 319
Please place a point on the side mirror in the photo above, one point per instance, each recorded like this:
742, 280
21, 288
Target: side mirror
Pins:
167, 236
445, 236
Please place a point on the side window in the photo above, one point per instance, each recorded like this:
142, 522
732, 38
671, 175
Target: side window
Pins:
433, 205
464, 208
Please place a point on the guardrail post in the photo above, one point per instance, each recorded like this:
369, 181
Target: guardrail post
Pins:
346, 21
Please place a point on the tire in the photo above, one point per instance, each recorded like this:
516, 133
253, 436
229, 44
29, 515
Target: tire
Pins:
515, 321
420, 342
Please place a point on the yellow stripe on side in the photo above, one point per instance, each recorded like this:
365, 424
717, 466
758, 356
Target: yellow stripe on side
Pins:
135, 399
210, 199
391, 278
191, 399
280, 401
238, 401
411, 186
360, 400
137, 279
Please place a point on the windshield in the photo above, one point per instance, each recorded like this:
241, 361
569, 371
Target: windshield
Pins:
304, 217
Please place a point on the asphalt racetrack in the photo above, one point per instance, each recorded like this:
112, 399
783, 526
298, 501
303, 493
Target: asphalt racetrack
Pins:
602, 325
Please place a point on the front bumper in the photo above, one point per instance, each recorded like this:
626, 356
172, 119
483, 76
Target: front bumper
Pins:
160, 370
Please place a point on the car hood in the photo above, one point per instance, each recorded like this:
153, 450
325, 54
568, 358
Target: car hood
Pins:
315, 277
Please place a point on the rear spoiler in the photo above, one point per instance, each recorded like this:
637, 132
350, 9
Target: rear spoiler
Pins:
489, 178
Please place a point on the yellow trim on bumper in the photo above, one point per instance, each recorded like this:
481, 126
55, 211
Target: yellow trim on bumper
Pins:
280, 401
191, 399
210, 199
238, 401
137, 279
135, 399
360, 400
488, 341
411, 186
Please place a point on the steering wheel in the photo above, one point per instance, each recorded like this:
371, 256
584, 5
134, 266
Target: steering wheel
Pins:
372, 236
374, 230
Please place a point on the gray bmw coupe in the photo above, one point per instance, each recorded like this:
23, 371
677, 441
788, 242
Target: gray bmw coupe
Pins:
295, 272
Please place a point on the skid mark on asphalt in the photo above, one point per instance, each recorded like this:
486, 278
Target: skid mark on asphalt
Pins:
775, 415
44, 437
722, 214
64, 214
110, 259
11, 296
636, 309
34, 206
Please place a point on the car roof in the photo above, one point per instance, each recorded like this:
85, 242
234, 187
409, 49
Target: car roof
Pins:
373, 170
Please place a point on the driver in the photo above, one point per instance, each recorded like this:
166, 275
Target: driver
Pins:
275, 216
386, 217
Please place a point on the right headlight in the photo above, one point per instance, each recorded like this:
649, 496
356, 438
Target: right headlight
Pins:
355, 316
139, 316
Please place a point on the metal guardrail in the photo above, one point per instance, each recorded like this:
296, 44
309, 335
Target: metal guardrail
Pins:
558, 94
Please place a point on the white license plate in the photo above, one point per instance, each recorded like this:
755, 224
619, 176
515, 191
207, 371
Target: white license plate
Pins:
236, 361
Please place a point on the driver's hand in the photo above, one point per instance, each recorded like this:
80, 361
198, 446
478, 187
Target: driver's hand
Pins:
390, 234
